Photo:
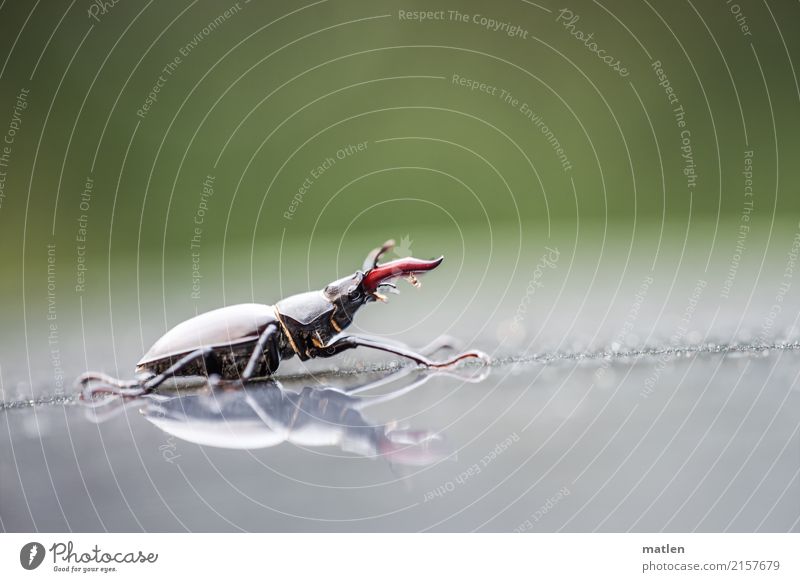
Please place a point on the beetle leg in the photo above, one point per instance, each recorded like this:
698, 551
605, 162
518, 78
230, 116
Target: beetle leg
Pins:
440, 343
443, 342
87, 377
159, 379
351, 341
267, 340
94, 383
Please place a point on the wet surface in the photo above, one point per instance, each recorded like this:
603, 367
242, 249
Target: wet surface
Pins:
710, 444
605, 237
620, 398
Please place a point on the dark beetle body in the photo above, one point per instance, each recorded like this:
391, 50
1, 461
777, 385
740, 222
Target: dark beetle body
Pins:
233, 331
249, 340
306, 322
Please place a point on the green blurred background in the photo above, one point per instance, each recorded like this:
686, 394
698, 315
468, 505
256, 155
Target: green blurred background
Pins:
267, 92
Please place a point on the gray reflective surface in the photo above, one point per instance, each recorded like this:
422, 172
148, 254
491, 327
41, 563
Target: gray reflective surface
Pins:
675, 442
542, 448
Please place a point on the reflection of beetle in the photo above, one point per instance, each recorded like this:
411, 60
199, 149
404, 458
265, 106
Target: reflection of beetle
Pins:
263, 414
250, 340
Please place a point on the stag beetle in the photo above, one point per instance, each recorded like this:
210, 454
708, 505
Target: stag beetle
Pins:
249, 340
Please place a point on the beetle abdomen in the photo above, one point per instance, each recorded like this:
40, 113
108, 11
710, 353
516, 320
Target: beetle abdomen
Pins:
229, 363
229, 326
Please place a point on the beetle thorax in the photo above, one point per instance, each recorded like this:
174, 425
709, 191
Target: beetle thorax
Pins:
311, 320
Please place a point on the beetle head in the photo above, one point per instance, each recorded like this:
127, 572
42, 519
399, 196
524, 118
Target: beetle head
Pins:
363, 286
366, 285
378, 277
347, 295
